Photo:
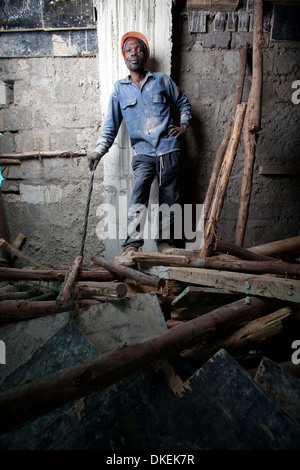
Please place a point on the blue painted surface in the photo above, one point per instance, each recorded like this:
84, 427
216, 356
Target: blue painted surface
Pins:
1, 177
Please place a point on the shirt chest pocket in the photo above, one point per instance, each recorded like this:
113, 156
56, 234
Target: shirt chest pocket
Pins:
129, 109
159, 105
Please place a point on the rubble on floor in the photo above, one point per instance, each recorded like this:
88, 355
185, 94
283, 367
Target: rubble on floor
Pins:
128, 341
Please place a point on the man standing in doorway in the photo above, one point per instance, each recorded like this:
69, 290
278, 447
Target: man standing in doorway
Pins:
147, 102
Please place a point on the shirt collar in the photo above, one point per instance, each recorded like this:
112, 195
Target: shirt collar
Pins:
127, 79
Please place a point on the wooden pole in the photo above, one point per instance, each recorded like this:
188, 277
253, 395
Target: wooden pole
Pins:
110, 289
10, 161
4, 231
66, 291
285, 247
125, 272
252, 124
22, 404
222, 183
221, 150
12, 249
256, 85
43, 154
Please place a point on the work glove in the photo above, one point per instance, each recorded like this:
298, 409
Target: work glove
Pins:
176, 131
93, 160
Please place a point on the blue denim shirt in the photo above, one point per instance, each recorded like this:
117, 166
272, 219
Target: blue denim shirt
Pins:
147, 113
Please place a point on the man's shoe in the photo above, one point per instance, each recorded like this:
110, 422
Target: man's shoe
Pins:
125, 259
165, 248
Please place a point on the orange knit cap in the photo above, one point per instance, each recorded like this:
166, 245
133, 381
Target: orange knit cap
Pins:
135, 34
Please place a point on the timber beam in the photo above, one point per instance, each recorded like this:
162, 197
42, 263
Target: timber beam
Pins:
247, 284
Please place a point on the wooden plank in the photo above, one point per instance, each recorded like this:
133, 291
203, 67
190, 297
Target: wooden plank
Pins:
278, 170
261, 285
23, 403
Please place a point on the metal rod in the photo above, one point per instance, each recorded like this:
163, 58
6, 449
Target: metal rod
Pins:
87, 212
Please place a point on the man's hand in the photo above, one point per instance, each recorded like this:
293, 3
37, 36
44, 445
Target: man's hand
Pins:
93, 160
176, 131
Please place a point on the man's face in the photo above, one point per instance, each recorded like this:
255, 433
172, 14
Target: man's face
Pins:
135, 57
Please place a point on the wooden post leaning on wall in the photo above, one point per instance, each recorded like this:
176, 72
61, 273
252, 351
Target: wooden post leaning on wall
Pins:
222, 183
252, 123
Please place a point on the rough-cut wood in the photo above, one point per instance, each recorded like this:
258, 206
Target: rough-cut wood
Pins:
242, 253
212, 5
253, 333
279, 170
164, 259
247, 284
10, 161
246, 186
221, 187
250, 266
43, 154
110, 289
17, 243
288, 365
20, 295
288, 246
125, 272
66, 291
4, 231
252, 125
220, 263
14, 274
24, 403
223, 146
12, 249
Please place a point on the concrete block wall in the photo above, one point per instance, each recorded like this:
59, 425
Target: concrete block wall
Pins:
55, 107
205, 64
